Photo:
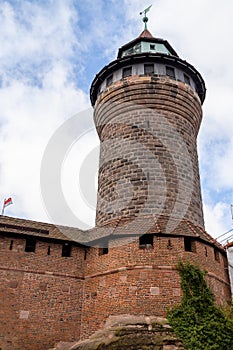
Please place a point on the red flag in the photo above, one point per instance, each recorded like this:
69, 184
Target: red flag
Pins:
7, 202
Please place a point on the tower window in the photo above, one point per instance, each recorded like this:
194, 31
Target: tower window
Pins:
66, 250
109, 80
170, 72
148, 69
189, 244
137, 48
186, 79
99, 90
126, 72
146, 241
152, 47
30, 245
216, 255
128, 52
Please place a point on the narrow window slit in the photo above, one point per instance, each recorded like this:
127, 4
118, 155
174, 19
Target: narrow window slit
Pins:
11, 245
216, 255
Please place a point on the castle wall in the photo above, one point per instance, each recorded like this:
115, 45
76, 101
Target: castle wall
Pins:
40, 295
144, 281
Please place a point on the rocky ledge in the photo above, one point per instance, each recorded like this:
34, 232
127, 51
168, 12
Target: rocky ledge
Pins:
128, 332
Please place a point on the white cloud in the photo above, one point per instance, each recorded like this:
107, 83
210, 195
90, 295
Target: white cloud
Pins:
217, 216
38, 93
32, 116
79, 178
34, 31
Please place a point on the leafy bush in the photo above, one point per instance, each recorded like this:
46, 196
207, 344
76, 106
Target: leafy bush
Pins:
198, 322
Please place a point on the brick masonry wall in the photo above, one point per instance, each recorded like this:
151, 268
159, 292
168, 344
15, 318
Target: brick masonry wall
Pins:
148, 158
40, 295
129, 280
46, 299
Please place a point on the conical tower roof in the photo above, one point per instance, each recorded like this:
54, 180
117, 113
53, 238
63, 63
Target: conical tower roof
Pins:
145, 34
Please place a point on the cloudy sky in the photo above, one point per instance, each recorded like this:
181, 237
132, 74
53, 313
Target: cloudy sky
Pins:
50, 52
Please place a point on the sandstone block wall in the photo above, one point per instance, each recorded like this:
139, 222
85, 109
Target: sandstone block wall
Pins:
148, 158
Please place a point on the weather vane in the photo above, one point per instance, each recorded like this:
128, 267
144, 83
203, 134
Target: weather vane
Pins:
145, 18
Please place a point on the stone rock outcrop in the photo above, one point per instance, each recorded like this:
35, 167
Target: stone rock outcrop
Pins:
127, 332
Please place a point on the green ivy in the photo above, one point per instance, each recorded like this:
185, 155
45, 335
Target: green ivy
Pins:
199, 323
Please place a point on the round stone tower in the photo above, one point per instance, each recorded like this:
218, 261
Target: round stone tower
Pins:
147, 111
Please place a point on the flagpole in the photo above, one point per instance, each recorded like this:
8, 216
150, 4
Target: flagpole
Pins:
3, 207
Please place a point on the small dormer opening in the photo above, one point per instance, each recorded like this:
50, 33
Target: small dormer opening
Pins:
126, 72
146, 241
148, 69
30, 245
189, 244
109, 80
66, 250
103, 251
152, 46
170, 71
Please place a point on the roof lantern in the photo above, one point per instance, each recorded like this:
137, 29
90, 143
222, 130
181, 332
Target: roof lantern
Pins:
146, 43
